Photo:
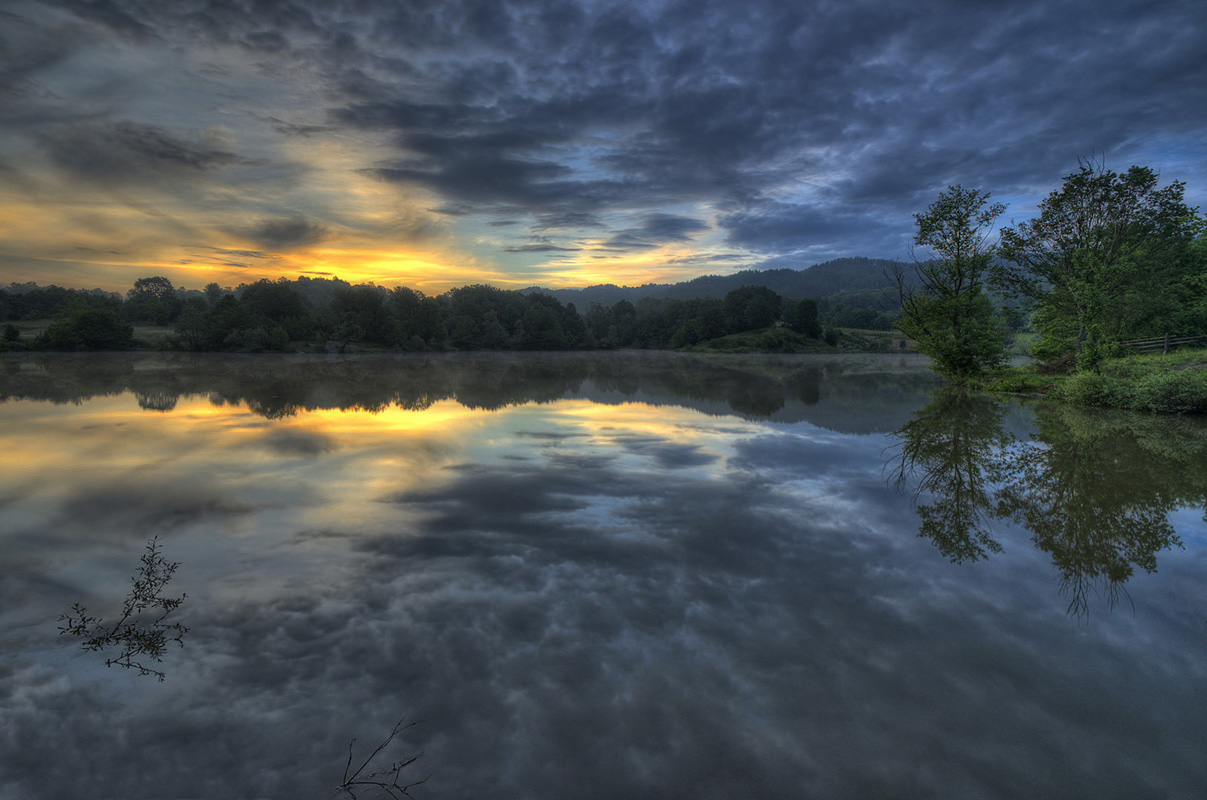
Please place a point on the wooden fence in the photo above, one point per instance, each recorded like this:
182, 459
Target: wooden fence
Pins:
1161, 344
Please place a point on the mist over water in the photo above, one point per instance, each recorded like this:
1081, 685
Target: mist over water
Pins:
634, 575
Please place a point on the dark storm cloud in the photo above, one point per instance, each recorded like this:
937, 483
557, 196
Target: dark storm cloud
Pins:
286, 232
668, 455
27, 48
148, 509
654, 230
295, 128
777, 227
813, 127
307, 444
231, 253
115, 150
540, 247
567, 219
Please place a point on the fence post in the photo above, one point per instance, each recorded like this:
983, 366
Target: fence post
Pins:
1166, 350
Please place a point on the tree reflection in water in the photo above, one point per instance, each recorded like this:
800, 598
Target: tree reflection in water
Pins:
952, 450
1094, 490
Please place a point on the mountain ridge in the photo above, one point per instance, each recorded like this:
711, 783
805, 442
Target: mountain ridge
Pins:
838, 276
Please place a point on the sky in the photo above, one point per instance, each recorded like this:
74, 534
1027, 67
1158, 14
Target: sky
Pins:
438, 144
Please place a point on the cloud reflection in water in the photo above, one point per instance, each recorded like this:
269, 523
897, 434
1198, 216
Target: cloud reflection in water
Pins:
637, 599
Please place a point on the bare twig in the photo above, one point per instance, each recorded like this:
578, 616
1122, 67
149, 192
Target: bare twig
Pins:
387, 778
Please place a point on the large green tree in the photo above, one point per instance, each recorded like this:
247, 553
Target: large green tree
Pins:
943, 304
152, 301
1100, 260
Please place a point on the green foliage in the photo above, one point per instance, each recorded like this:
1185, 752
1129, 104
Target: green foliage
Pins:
1016, 381
88, 328
948, 313
801, 316
22, 302
868, 319
275, 315
1094, 389
751, 307
273, 304
152, 301
1108, 258
1173, 383
767, 340
1178, 392
421, 323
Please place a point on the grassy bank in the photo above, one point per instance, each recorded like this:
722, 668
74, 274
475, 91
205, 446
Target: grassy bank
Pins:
1167, 383
782, 340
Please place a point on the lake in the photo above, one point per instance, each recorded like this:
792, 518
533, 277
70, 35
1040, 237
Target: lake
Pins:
619, 575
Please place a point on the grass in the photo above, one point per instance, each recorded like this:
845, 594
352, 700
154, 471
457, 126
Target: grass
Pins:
766, 340
778, 339
1021, 345
1166, 383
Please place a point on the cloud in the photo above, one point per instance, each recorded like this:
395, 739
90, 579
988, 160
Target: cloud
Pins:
654, 230
814, 129
306, 444
121, 151
567, 219
285, 233
147, 510
773, 227
617, 615
541, 247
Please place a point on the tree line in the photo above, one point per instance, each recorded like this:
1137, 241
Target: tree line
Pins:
1110, 257
279, 315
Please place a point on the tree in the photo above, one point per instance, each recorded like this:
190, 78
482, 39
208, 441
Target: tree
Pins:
82, 326
214, 293
277, 304
1104, 246
751, 307
943, 305
152, 300
801, 317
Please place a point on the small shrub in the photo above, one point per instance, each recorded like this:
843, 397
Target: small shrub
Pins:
1094, 389
1183, 391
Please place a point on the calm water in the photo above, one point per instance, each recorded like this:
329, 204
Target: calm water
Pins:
623, 576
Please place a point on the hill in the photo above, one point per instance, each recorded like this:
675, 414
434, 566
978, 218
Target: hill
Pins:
843, 276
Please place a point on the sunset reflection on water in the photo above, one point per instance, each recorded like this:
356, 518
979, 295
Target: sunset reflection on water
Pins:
569, 567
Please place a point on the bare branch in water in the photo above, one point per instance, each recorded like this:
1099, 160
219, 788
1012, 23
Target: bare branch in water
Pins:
142, 632
387, 779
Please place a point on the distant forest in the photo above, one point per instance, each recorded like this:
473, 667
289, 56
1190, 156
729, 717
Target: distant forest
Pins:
792, 305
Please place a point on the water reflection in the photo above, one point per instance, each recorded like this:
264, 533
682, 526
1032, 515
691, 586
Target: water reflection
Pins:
951, 455
142, 631
856, 393
655, 577
1095, 490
